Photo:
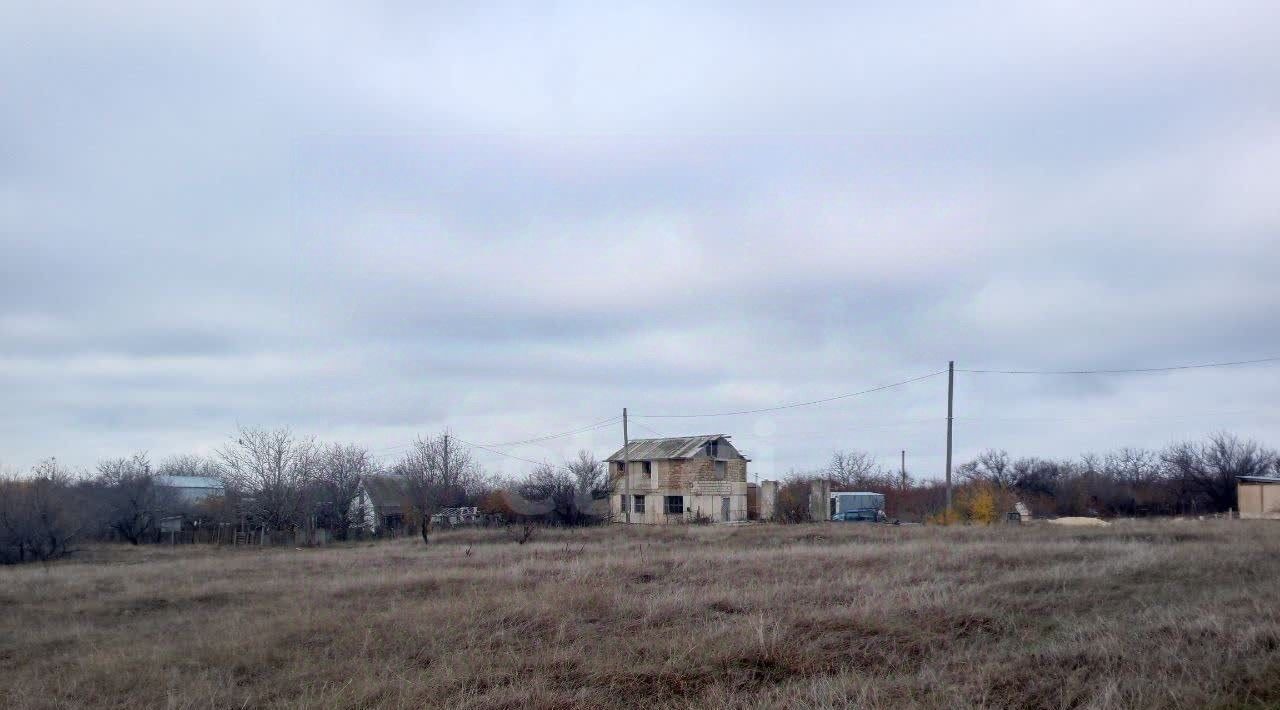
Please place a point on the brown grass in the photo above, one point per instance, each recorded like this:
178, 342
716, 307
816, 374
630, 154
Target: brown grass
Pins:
1136, 615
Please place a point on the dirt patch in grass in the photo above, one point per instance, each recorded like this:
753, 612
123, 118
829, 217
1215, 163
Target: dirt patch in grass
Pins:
726, 606
144, 605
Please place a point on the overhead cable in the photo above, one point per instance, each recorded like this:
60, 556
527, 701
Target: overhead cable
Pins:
794, 404
1121, 371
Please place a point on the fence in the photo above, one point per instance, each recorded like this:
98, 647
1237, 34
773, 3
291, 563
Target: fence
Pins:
232, 535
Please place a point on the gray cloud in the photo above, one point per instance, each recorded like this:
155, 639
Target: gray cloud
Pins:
373, 223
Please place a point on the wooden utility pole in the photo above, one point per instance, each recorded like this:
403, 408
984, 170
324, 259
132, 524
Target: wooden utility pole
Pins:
444, 464
904, 469
951, 394
626, 469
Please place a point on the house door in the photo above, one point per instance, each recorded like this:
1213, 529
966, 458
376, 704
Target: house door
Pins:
724, 509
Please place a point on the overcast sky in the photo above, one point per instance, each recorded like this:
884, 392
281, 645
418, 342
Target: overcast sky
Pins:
372, 224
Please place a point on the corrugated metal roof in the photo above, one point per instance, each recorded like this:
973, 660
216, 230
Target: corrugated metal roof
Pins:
677, 447
190, 482
1258, 479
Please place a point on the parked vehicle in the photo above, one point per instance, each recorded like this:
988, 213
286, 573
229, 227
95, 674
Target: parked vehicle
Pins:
856, 506
860, 516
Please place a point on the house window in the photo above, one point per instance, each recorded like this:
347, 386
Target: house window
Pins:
674, 505
713, 448
639, 503
647, 468
722, 468
622, 503
621, 469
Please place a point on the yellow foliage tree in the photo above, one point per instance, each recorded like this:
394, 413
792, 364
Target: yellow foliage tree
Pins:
982, 506
977, 504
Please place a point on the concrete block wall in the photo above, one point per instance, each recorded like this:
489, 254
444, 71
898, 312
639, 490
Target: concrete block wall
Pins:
819, 500
768, 499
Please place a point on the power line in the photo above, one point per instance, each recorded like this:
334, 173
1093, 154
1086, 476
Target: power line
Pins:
475, 446
853, 427
498, 452
549, 437
1127, 370
534, 440
494, 447
1187, 415
647, 428
793, 405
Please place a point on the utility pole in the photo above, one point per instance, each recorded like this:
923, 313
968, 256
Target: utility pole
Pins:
444, 465
904, 469
951, 394
445, 484
626, 469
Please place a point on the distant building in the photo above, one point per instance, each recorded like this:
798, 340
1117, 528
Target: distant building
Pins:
193, 501
1020, 513
510, 506
451, 517
679, 479
193, 489
383, 503
1258, 496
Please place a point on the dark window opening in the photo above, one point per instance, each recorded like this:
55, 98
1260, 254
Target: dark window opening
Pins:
674, 505
647, 468
639, 503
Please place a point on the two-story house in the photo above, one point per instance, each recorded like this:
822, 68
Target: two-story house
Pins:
679, 479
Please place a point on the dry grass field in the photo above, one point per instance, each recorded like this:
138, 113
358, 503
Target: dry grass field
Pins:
1136, 615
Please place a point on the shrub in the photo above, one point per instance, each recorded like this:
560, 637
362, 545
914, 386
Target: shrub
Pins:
978, 505
38, 515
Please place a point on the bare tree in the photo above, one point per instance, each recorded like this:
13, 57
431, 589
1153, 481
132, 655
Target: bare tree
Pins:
338, 482
1136, 479
1211, 468
1136, 467
40, 516
132, 497
271, 470
590, 476
551, 484
990, 466
437, 473
792, 504
855, 470
569, 488
189, 465
1030, 474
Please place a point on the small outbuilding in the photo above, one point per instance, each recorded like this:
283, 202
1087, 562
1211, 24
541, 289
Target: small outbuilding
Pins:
383, 503
192, 489
1258, 497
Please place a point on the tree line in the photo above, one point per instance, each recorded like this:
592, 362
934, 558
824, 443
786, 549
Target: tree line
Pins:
1184, 478
272, 479
278, 480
